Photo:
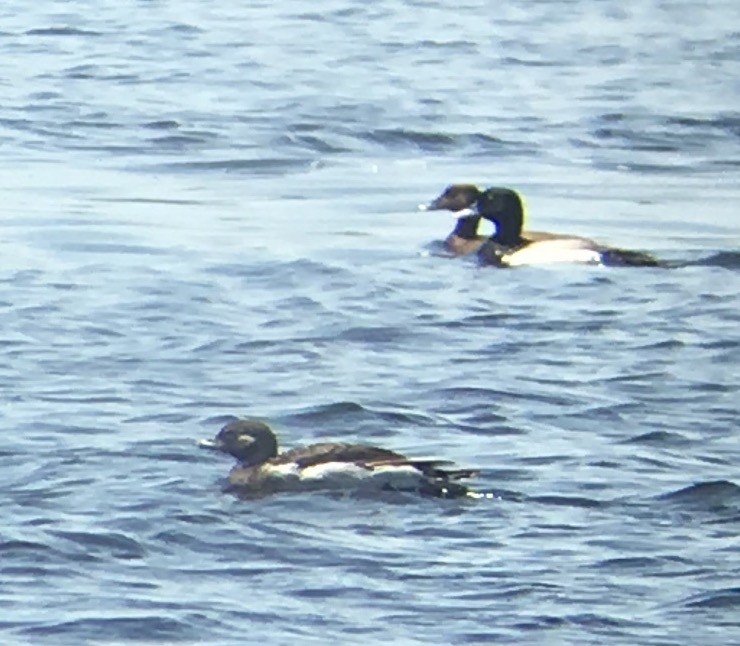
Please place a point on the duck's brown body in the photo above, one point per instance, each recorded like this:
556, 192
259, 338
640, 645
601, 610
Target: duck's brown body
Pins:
262, 469
459, 246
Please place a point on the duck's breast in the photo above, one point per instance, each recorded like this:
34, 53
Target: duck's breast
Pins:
458, 246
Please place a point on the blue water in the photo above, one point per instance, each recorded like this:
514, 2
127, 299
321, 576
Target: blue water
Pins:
208, 210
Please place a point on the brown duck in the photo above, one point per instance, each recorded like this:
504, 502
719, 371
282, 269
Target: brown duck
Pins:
329, 465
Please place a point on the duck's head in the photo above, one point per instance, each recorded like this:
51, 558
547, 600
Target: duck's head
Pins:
501, 206
248, 440
459, 198
499, 203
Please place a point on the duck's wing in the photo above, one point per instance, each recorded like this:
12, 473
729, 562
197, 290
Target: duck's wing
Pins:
308, 456
428, 467
368, 457
538, 236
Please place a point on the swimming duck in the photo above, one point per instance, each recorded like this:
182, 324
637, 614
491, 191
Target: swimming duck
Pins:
510, 246
464, 239
327, 465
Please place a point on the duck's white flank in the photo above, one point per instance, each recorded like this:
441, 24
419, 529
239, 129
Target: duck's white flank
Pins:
346, 473
552, 251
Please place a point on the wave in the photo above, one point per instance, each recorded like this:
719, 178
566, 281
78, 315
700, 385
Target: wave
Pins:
723, 259
61, 31
711, 494
727, 598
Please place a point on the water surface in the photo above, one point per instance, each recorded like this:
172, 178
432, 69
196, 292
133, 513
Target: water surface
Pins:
209, 211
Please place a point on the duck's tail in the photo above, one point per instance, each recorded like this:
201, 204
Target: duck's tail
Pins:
628, 258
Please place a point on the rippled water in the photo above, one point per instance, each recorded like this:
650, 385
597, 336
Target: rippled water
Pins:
209, 211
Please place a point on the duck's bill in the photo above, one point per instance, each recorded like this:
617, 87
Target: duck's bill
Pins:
434, 205
209, 444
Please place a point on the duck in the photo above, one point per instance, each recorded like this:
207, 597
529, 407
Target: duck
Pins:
464, 239
510, 246
328, 465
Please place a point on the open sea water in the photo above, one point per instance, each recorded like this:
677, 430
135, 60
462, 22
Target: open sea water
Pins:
208, 210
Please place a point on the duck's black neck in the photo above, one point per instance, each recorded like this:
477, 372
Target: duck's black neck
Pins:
508, 232
504, 208
467, 227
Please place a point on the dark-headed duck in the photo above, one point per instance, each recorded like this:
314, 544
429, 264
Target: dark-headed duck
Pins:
510, 245
464, 239
329, 465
